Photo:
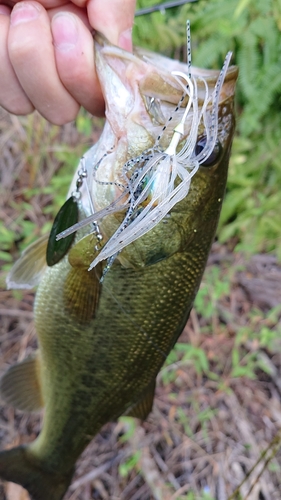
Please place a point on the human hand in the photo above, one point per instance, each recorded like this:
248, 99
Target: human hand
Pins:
47, 55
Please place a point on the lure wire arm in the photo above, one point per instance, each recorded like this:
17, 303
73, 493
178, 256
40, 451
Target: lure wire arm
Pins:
162, 7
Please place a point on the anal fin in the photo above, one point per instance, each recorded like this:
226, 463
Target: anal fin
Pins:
143, 406
20, 386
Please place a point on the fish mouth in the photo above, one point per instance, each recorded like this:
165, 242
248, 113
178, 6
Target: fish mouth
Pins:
156, 71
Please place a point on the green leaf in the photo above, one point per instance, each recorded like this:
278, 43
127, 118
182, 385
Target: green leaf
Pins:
131, 463
242, 5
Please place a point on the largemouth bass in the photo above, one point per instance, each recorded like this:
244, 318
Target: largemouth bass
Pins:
112, 304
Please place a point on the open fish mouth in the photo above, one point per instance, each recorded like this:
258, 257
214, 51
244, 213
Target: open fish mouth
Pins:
186, 131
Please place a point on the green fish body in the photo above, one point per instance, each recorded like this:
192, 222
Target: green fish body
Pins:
102, 343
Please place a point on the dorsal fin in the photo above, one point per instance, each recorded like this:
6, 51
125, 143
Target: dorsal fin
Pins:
29, 268
20, 386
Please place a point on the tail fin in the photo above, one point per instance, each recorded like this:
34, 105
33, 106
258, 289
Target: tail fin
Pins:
18, 466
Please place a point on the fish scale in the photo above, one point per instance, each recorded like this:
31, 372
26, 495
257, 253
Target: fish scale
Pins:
127, 361
102, 344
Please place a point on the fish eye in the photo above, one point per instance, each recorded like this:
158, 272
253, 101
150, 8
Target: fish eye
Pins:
215, 154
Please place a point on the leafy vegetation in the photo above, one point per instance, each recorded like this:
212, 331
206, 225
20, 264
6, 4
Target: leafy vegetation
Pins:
44, 160
252, 30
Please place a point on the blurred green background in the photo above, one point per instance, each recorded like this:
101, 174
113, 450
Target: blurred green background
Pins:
251, 214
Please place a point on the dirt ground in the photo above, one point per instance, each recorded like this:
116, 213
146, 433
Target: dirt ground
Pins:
213, 427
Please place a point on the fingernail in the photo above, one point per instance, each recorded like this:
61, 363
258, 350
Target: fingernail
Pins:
125, 40
24, 12
65, 31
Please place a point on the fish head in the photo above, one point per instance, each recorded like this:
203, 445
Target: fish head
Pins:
164, 149
141, 95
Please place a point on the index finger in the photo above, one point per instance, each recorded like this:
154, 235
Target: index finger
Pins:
114, 19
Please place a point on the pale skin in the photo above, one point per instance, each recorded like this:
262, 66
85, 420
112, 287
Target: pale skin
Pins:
47, 55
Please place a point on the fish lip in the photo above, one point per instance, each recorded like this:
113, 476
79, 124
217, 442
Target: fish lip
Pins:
212, 74
101, 39
140, 56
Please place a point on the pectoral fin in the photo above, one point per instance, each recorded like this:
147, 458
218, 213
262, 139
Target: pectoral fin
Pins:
20, 386
27, 271
82, 287
81, 294
143, 407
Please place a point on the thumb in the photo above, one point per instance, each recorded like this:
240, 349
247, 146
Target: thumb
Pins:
114, 19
